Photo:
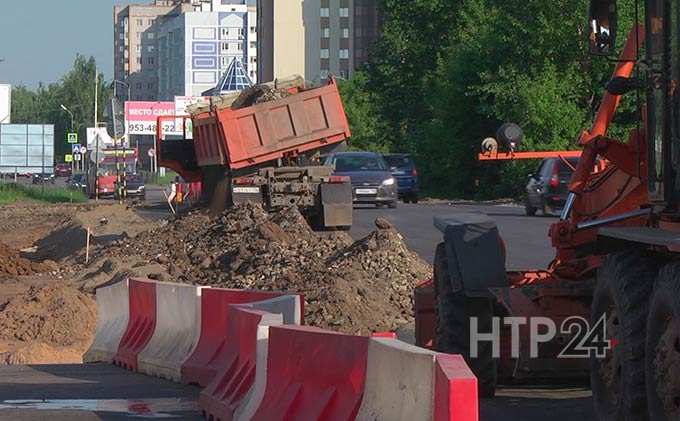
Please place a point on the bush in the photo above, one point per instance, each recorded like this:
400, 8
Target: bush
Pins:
11, 192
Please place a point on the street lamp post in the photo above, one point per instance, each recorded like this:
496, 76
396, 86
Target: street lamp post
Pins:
63, 107
115, 83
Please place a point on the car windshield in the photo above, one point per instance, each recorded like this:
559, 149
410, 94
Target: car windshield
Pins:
400, 162
565, 169
351, 163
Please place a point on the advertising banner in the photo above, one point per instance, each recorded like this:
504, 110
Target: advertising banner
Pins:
141, 117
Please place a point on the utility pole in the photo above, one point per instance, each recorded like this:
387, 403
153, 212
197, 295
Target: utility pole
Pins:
96, 96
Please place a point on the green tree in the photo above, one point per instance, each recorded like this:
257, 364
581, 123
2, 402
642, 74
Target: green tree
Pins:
75, 90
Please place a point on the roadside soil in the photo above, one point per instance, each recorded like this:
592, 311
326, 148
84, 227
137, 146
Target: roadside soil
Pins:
49, 277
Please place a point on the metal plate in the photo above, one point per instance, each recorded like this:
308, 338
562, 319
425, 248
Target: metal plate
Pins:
366, 191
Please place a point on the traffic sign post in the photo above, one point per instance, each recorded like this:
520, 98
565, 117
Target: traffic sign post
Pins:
72, 137
68, 158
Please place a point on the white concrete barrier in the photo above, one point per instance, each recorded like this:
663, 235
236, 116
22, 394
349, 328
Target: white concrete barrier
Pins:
289, 306
399, 382
178, 327
113, 308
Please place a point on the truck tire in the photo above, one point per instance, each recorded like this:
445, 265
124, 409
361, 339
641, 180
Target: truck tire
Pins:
624, 284
662, 351
221, 197
453, 311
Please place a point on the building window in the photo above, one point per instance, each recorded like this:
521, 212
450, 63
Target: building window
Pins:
253, 29
344, 12
139, 86
325, 12
149, 86
345, 32
325, 53
139, 48
324, 74
140, 22
151, 60
344, 53
253, 44
151, 48
122, 35
225, 46
139, 60
224, 33
326, 32
151, 35
151, 21
240, 46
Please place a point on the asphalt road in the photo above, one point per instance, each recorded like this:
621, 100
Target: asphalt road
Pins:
106, 392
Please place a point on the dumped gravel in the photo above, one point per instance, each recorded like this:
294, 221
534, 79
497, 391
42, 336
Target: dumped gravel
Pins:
355, 287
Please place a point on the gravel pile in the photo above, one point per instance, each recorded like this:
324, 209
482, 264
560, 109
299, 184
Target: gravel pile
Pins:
355, 287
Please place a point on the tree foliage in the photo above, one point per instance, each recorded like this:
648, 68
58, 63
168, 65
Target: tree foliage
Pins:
75, 90
447, 74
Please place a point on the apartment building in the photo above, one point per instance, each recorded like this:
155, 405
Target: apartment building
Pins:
135, 46
314, 38
195, 49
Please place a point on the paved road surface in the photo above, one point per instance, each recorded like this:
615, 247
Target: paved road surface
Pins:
90, 392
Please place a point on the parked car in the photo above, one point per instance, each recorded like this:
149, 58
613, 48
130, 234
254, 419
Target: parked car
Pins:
547, 188
62, 170
404, 171
135, 186
43, 178
78, 182
372, 181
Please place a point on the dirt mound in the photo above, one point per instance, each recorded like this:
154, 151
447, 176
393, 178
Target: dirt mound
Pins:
12, 264
107, 223
56, 315
356, 287
24, 224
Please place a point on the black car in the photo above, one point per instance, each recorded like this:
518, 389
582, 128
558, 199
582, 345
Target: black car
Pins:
547, 189
404, 171
43, 178
135, 186
372, 181
78, 182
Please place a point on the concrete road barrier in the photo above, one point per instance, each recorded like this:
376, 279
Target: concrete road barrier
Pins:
178, 322
455, 386
113, 308
205, 361
400, 384
232, 385
312, 374
141, 323
289, 306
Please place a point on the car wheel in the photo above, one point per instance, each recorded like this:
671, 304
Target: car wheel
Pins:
414, 198
392, 205
530, 210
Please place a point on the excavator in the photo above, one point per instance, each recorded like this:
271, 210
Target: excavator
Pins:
613, 289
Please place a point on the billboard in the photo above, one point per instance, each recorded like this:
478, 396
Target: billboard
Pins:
104, 142
141, 116
5, 104
181, 104
26, 148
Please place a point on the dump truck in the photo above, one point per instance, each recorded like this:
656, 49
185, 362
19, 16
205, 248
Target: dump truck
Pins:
613, 289
264, 145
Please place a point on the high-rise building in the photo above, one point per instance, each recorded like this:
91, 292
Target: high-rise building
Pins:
135, 46
315, 38
196, 48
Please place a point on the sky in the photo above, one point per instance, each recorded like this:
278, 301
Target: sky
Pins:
39, 39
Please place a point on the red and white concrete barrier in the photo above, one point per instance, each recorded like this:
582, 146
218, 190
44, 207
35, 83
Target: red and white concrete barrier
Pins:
113, 309
178, 323
141, 323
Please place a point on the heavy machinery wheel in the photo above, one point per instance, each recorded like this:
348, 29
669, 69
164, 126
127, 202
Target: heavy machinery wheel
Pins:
453, 312
624, 284
662, 352
530, 210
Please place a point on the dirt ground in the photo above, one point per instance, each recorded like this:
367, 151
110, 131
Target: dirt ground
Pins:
49, 275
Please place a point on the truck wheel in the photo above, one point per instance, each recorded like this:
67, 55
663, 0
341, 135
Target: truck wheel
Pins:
453, 312
624, 284
530, 210
662, 352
